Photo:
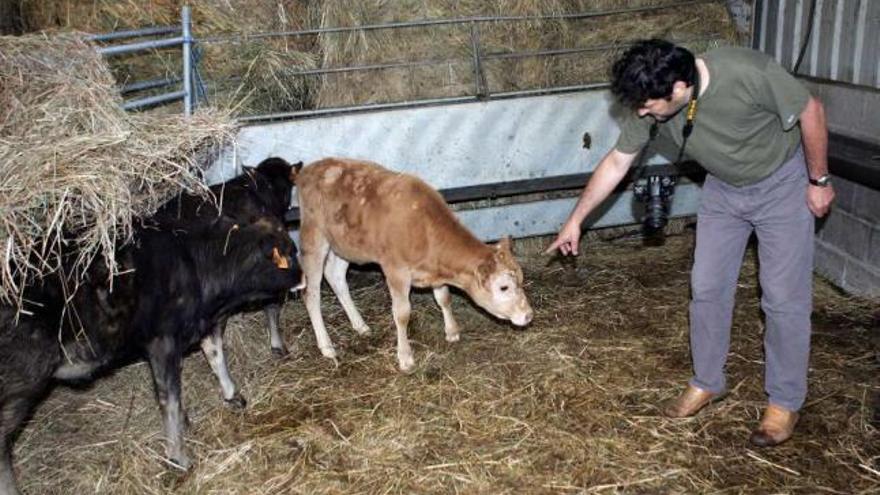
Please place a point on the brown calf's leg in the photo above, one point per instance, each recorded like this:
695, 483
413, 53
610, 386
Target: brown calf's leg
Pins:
314, 252
399, 286
335, 270
444, 300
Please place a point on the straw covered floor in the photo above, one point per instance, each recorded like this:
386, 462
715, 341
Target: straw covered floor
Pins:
569, 405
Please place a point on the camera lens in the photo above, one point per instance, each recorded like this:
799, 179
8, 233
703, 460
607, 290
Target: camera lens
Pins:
655, 213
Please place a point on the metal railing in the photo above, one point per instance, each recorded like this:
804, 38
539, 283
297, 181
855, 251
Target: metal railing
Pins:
478, 58
193, 87
184, 40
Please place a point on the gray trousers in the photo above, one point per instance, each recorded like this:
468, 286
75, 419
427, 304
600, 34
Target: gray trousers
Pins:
776, 210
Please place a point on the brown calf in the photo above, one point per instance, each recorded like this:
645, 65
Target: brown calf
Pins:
358, 212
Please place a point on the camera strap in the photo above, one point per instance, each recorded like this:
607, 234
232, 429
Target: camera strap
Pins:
690, 117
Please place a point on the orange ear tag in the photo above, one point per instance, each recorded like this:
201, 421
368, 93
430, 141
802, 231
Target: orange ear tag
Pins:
280, 261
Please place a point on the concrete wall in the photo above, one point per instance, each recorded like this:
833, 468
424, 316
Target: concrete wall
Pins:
848, 240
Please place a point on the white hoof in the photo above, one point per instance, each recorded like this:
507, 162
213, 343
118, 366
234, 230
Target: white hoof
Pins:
453, 337
407, 363
328, 352
362, 330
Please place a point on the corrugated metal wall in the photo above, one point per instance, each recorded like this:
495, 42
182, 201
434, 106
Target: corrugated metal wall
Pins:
844, 40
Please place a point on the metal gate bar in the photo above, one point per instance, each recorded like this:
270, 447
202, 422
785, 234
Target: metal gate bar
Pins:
185, 40
444, 22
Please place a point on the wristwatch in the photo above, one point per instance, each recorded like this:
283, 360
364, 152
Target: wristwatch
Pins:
823, 180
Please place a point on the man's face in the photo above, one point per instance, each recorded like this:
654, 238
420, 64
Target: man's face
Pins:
661, 109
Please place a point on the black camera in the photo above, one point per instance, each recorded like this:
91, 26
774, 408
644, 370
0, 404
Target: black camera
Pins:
655, 191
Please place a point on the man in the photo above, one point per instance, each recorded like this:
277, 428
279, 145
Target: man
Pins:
766, 174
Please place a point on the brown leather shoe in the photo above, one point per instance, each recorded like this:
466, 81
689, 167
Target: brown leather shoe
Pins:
689, 402
776, 426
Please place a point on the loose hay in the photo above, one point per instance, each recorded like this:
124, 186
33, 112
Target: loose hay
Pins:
569, 405
74, 167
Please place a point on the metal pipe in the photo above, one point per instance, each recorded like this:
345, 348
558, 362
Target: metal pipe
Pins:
152, 100
134, 33
689, 172
854, 159
437, 61
149, 84
389, 65
443, 22
572, 51
480, 88
549, 91
356, 109
187, 61
142, 45
417, 104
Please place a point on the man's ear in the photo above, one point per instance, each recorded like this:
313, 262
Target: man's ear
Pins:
678, 87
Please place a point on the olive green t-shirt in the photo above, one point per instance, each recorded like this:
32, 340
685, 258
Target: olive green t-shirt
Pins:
746, 122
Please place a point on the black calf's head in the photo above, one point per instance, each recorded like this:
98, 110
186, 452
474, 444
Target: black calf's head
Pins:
275, 176
270, 255
276, 244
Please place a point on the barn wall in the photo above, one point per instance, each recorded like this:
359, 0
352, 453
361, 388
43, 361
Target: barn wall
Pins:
841, 67
848, 240
466, 145
844, 39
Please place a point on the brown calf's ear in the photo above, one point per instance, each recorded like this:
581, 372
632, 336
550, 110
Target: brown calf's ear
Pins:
294, 171
485, 269
505, 244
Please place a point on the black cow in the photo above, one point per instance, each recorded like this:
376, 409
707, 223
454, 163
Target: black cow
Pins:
264, 190
172, 289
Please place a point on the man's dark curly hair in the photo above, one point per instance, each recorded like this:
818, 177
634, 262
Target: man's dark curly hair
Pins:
648, 69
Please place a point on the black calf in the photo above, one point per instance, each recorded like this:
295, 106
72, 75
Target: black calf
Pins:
173, 289
259, 191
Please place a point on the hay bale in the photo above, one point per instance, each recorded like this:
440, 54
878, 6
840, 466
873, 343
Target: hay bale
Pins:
76, 169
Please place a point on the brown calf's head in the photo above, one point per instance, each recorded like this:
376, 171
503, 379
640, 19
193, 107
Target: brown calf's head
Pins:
499, 287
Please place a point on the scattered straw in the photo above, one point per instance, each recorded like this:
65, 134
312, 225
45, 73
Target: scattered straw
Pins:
569, 405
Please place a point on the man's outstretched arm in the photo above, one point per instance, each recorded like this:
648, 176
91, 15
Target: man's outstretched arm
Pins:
610, 171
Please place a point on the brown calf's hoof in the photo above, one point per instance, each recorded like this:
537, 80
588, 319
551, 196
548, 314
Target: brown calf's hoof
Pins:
776, 427
689, 402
